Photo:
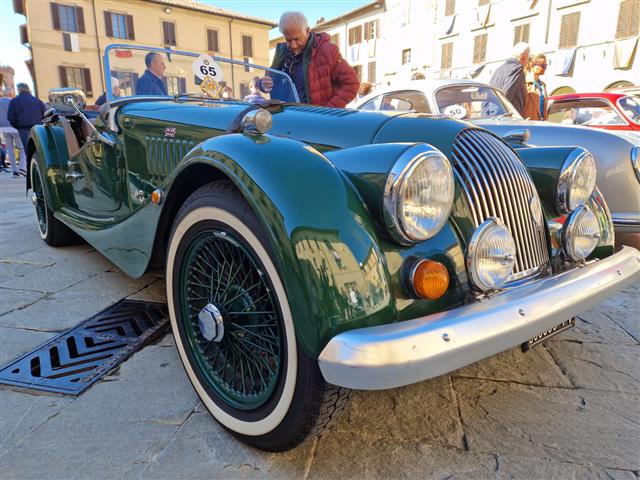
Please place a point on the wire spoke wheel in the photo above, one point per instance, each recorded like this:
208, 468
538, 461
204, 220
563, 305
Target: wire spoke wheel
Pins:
234, 329
38, 198
244, 366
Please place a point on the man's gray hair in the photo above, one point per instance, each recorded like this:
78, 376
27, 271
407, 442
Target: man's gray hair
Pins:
297, 18
8, 91
519, 49
23, 87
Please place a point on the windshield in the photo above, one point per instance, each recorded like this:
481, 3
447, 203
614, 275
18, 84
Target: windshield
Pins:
585, 111
631, 107
474, 101
133, 71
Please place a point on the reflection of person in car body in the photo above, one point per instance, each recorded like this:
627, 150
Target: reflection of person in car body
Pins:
150, 83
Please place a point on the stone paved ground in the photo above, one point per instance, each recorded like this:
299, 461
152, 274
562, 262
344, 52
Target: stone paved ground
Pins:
568, 409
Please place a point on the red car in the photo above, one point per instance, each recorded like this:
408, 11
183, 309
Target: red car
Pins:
613, 111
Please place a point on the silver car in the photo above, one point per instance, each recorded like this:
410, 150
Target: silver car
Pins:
617, 157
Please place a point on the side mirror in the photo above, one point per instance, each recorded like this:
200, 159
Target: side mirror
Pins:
67, 99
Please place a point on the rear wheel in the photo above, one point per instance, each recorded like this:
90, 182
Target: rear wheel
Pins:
52, 230
234, 329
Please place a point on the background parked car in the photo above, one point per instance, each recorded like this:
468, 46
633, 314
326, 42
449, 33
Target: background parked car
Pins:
611, 111
616, 156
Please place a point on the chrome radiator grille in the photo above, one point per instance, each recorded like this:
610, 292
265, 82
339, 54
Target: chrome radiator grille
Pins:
497, 184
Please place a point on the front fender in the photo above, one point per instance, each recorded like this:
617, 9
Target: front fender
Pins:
44, 141
321, 234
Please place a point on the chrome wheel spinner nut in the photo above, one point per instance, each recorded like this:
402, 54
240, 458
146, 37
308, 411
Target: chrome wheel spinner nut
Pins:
211, 323
34, 198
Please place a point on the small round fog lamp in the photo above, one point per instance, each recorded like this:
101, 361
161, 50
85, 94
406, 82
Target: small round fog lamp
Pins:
580, 234
491, 255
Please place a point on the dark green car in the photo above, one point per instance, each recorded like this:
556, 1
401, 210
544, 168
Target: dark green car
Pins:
310, 251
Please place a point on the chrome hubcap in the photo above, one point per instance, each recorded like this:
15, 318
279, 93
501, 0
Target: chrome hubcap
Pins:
211, 323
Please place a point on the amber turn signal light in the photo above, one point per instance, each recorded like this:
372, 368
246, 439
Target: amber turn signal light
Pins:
156, 197
429, 279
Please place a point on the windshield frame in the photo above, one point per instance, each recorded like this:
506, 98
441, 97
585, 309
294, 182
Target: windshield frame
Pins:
499, 93
624, 112
115, 100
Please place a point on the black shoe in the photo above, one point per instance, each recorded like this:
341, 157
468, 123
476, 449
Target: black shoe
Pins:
23, 172
16, 174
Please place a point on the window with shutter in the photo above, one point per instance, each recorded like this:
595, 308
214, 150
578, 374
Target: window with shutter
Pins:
521, 33
79, 19
446, 56
67, 18
371, 30
247, 46
335, 39
371, 72
212, 40
569, 26
628, 19
355, 35
119, 25
66, 41
75, 77
55, 16
358, 70
108, 26
449, 7
169, 33
131, 35
406, 56
480, 48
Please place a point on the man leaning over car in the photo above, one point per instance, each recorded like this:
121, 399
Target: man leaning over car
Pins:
320, 75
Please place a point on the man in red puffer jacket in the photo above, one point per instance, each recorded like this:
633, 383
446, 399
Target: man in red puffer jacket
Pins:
320, 74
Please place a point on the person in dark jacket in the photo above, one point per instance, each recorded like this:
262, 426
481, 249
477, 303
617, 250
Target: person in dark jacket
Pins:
320, 75
510, 78
25, 111
150, 83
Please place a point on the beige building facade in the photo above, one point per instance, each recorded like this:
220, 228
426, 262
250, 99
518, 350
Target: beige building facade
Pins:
67, 40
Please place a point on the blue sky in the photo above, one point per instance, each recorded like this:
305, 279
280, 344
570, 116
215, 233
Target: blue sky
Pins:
13, 53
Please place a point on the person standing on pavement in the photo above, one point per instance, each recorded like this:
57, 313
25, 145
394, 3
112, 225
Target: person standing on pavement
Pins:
320, 75
24, 112
537, 98
10, 135
509, 77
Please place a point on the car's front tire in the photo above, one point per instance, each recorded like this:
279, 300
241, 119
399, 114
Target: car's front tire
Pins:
52, 230
240, 352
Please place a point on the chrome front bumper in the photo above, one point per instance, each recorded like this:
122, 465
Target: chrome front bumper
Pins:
398, 354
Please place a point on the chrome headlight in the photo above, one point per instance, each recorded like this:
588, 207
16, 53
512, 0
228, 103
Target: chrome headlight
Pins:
580, 234
418, 194
577, 180
635, 161
256, 121
491, 255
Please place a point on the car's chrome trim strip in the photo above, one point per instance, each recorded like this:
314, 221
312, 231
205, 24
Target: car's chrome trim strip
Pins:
393, 355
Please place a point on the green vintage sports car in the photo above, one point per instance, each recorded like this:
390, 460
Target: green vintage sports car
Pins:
310, 251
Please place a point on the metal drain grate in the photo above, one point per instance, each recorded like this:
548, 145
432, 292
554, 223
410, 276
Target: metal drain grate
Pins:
75, 359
